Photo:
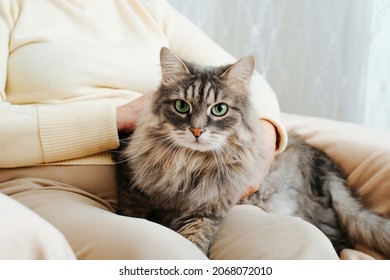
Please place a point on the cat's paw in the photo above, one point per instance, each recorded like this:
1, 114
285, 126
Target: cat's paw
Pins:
200, 231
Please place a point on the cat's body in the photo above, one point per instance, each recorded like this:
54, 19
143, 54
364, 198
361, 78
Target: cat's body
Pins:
198, 147
304, 182
185, 168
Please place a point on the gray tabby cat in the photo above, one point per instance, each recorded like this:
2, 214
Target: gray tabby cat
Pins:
197, 148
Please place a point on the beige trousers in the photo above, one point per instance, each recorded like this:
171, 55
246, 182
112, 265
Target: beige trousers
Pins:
73, 215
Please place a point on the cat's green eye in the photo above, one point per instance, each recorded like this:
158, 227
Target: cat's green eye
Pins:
182, 106
219, 110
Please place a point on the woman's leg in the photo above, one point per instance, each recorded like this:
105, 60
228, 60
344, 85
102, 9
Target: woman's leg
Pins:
93, 230
24, 235
249, 233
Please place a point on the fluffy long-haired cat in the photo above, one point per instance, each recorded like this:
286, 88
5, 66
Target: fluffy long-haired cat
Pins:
197, 148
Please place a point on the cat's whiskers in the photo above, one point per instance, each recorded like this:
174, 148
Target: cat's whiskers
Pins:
197, 178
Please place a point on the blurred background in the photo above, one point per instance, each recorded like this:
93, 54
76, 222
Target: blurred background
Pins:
325, 58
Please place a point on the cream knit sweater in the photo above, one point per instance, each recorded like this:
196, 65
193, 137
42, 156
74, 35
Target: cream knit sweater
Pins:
66, 64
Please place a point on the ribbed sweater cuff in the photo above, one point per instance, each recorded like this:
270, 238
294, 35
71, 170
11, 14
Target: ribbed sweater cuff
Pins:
75, 130
281, 137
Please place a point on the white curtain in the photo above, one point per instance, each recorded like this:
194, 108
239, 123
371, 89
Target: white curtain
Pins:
326, 58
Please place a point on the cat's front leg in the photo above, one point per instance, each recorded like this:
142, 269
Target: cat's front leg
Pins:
200, 230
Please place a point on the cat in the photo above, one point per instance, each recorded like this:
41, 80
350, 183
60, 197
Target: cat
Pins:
197, 148
304, 182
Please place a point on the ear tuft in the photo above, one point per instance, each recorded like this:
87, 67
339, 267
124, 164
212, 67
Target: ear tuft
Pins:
241, 71
172, 66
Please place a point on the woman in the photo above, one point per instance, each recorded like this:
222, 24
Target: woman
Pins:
74, 73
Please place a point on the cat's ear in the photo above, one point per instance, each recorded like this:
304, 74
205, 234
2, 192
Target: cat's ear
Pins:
173, 68
241, 72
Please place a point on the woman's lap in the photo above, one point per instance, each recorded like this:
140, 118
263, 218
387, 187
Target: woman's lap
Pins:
25, 235
95, 232
250, 233
92, 228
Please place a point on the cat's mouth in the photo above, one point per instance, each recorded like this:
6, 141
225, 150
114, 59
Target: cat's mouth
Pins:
197, 144
200, 145
203, 148
203, 142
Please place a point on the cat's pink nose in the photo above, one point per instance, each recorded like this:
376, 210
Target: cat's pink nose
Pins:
197, 131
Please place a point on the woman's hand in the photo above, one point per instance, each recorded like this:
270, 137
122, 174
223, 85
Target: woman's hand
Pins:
127, 115
269, 140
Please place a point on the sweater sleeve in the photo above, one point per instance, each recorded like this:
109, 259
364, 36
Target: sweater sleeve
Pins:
33, 134
191, 44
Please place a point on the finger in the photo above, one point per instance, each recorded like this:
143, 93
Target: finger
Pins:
248, 192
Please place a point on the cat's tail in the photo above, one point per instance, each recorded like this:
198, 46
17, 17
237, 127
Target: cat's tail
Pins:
361, 225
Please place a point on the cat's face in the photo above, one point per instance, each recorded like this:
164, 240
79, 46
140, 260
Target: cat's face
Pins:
203, 108
199, 119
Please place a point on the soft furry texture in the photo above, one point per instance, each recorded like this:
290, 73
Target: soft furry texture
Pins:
189, 160
198, 147
304, 182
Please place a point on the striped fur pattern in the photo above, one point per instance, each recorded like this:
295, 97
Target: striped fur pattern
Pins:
194, 150
188, 160
304, 182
